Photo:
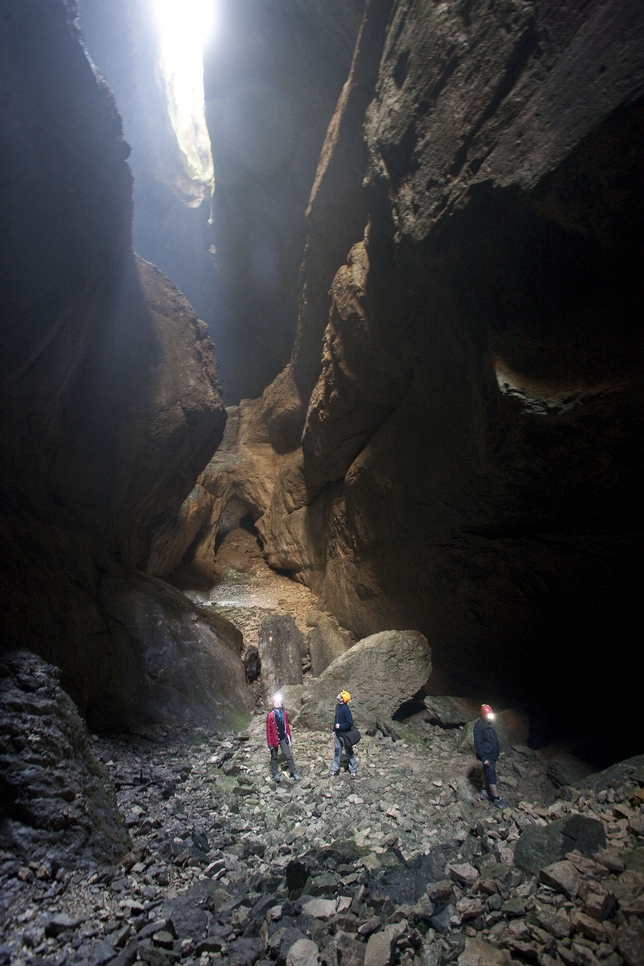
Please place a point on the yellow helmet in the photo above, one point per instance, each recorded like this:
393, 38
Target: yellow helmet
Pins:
346, 697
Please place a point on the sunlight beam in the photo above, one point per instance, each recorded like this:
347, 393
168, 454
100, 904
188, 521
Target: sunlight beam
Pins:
184, 26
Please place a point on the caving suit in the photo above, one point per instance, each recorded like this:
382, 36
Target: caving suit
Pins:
487, 747
342, 722
278, 735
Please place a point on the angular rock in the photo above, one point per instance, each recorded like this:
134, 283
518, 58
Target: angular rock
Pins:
244, 952
288, 937
470, 908
320, 908
589, 927
381, 672
446, 711
599, 902
513, 908
280, 650
633, 907
634, 860
431, 955
561, 876
611, 860
557, 924
380, 949
614, 775
540, 846
479, 953
630, 944
189, 911
60, 923
127, 955
349, 951
303, 953
464, 873
326, 642
441, 921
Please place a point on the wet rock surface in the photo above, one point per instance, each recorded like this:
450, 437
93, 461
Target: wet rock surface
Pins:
401, 865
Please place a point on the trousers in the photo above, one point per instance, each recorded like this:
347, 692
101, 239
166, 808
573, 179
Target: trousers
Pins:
339, 745
286, 751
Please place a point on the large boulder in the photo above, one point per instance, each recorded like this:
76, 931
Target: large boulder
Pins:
171, 663
446, 711
325, 643
381, 672
280, 649
56, 800
539, 846
615, 775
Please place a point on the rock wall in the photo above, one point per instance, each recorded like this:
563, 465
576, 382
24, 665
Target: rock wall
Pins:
272, 77
58, 803
171, 211
109, 397
462, 452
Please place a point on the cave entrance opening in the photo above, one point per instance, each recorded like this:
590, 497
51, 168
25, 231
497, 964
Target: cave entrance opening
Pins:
184, 28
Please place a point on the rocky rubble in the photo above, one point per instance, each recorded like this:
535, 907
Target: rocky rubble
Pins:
405, 865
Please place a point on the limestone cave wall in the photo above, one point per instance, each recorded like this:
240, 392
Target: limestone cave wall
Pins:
109, 397
459, 427
272, 78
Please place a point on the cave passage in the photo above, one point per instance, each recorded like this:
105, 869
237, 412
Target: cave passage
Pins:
396, 356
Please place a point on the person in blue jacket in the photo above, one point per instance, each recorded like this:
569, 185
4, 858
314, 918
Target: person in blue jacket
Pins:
342, 723
487, 747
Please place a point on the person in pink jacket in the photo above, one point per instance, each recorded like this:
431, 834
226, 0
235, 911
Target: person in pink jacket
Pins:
278, 735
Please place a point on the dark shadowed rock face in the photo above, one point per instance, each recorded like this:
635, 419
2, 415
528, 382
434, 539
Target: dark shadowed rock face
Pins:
280, 649
170, 664
470, 454
56, 799
109, 397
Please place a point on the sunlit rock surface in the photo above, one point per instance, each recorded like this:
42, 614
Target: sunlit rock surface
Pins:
109, 399
470, 456
150, 52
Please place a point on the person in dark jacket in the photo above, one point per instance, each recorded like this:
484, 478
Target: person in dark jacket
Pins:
278, 735
486, 743
342, 723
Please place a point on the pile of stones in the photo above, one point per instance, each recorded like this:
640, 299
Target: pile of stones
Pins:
405, 865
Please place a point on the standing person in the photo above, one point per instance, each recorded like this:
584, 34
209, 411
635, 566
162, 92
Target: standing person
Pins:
278, 735
342, 723
486, 743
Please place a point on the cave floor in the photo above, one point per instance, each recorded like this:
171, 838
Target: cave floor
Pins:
248, 590
217, 846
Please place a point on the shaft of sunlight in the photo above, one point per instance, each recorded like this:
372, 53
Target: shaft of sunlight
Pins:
184, 26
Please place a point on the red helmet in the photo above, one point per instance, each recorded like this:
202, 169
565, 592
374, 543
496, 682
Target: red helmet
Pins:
486, 710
